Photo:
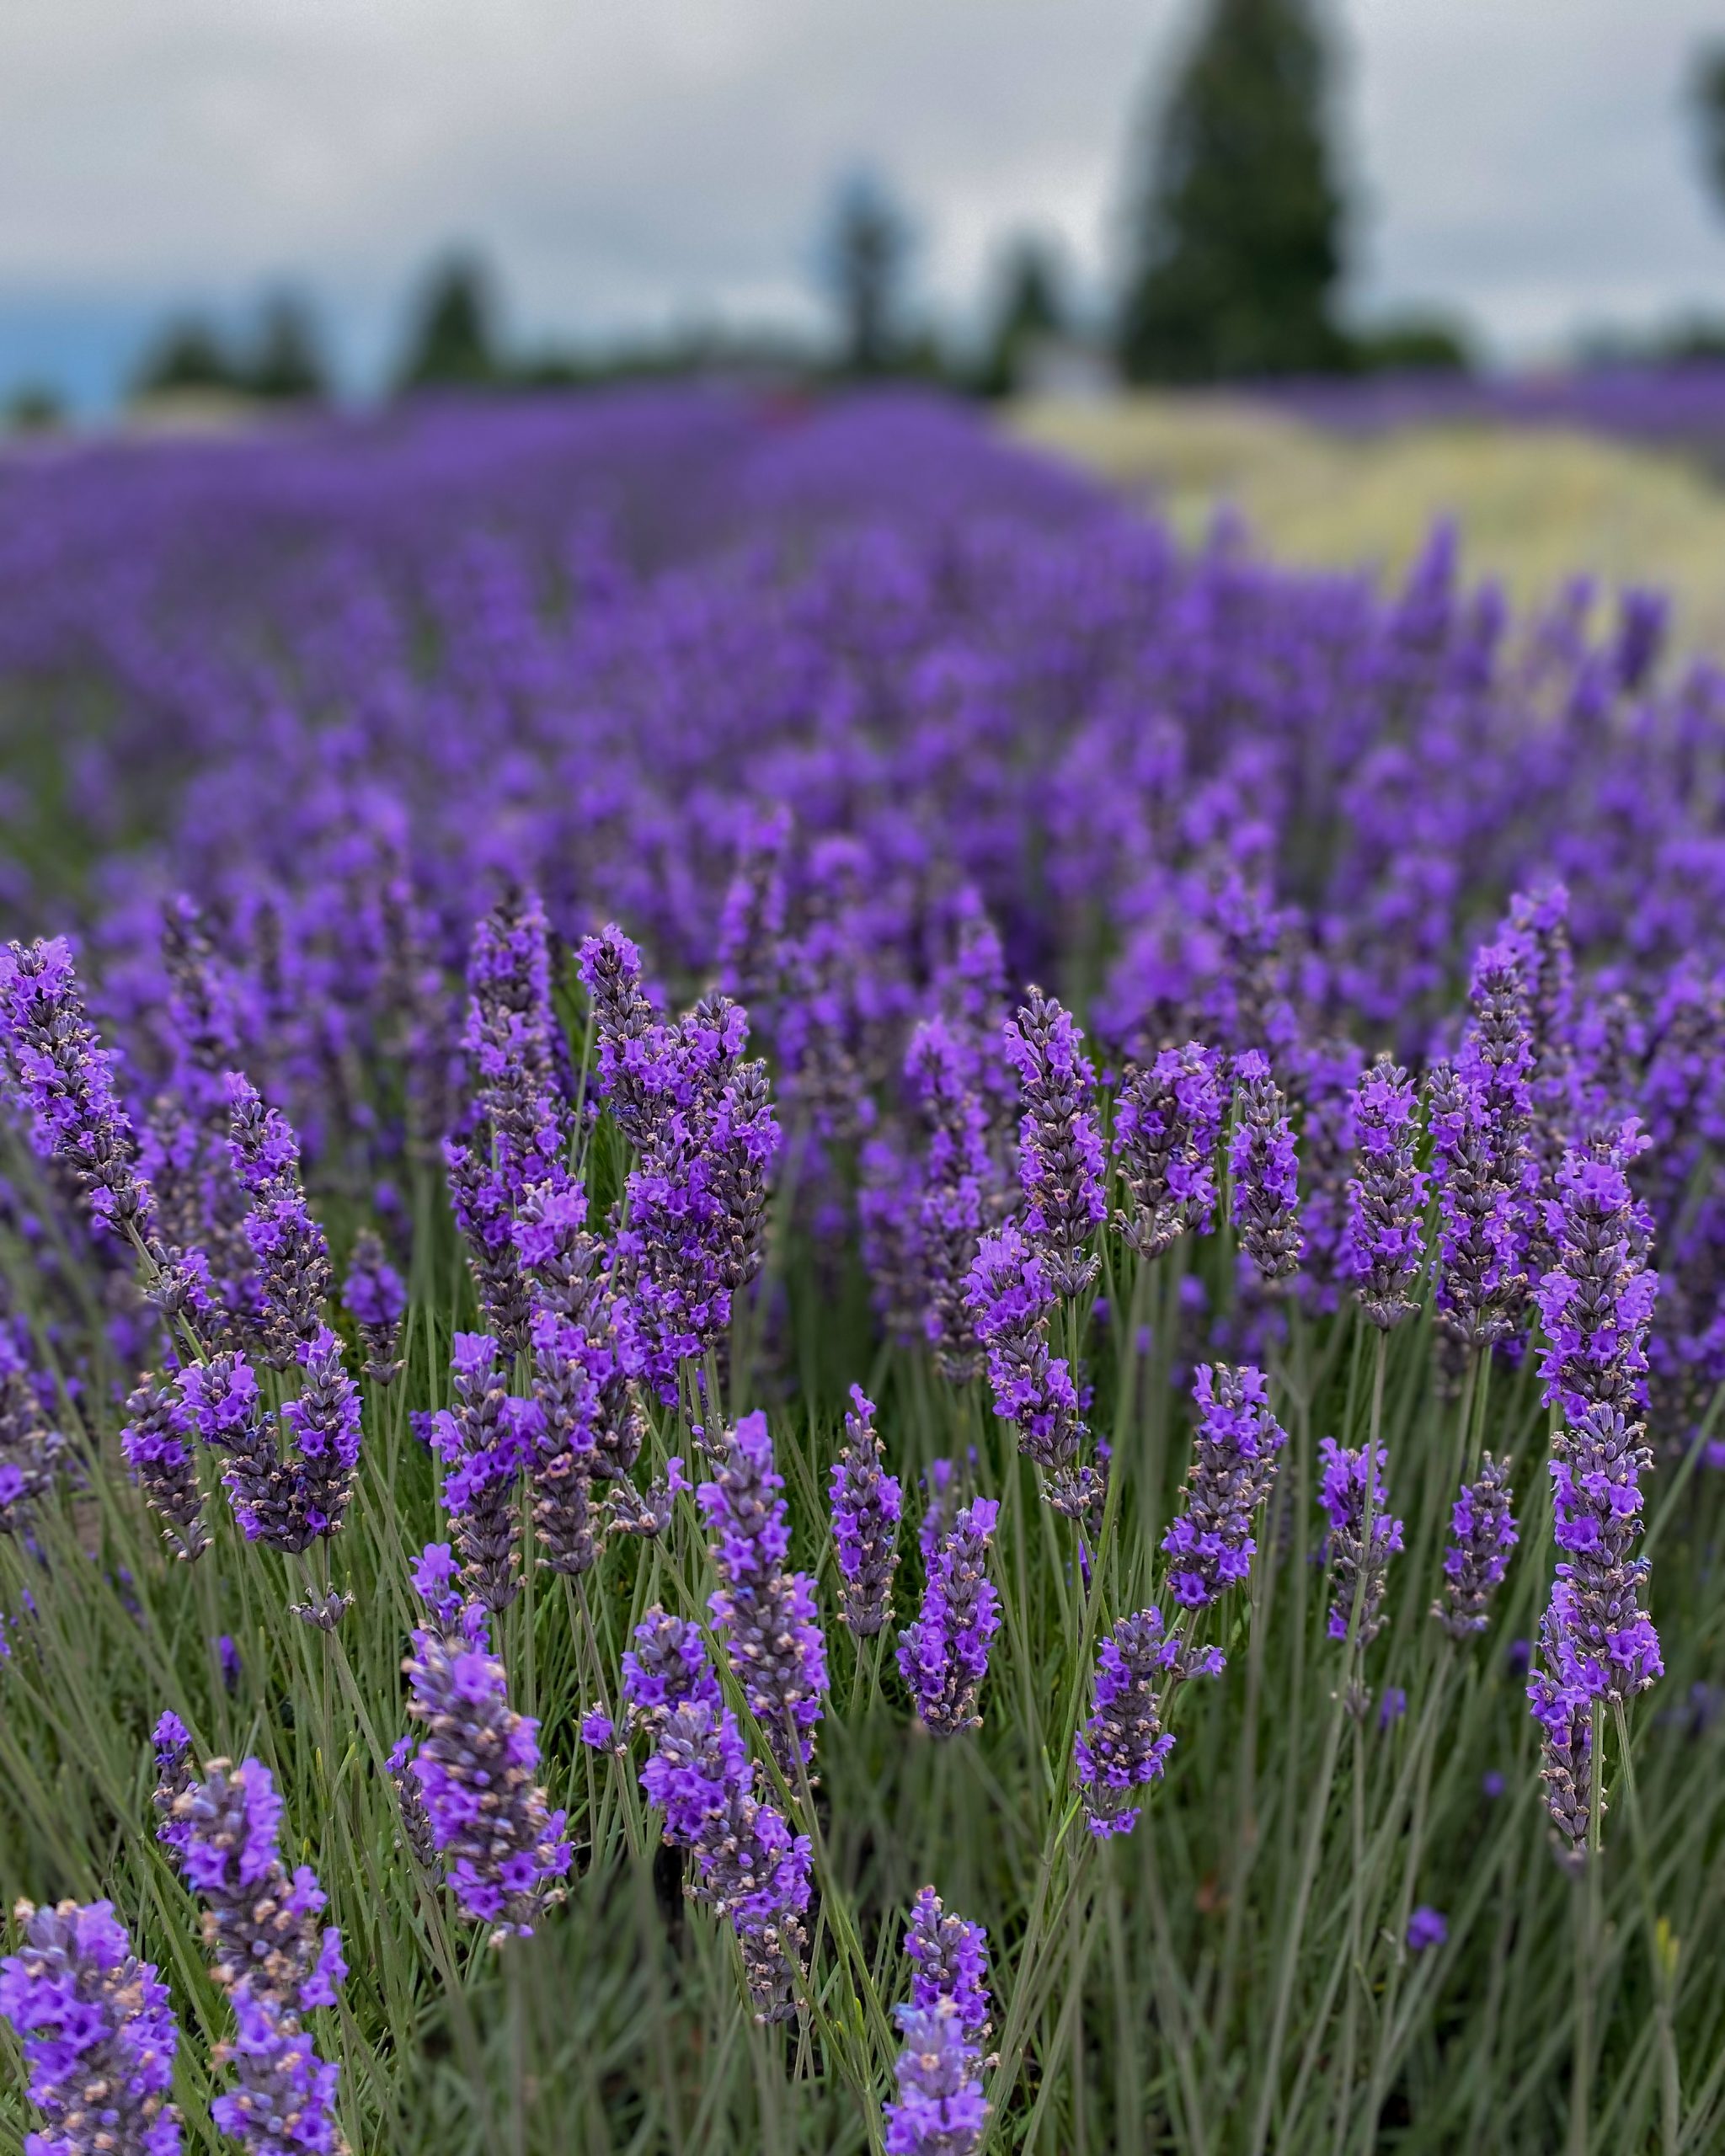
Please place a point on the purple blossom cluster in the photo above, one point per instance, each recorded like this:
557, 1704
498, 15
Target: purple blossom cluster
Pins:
1012, 1300
98, 2035
1210, 1545
1124, 1747
765, 1613
943, 1654
1384, 1244
940, 2109
1481, 1535
1167, 1118
1262, 1162
268, 1952
485, 1441
1061, 1164
484, 1817
866, 1503
1364, 1535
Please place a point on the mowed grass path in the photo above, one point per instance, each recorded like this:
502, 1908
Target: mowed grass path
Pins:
1535, 506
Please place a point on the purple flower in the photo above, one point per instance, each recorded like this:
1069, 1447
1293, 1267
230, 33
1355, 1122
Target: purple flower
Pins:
1384, 1242
485, 1441
1479, 1289
1359, 1560
940, 2109
959, 1188
154, 1444
31, 1448
501, 1848
1167, 1122
1497, 1058
1261, 1159
67, 1083
1426, 1928
750, 1868
866, 1503
1060, 1148
324, 1421
271, 1498
375, 1300
944, 1656
1012, 1298
1605, 1641
1211, 1545
1597, 1301
1482, 1533
765, 1614
98, 2035
1392, 1705
1123, 1746
269, 1952
949, 1959
287, 1245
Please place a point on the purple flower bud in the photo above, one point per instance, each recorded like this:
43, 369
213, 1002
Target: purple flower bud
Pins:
1384, 1242
154, 1444
940, 2109
1479, 1289
1012, 1298
31, 1448
866, 1503
485, 1441
1358, 1562
1060, 1148
949, 1957
502, 1849
1167, 1122
1261, 1159
287, 1245
375, 1300
765, 1614
98, 2035
67, 1083
944, 1656
1482, 1532
1426, 1928
1211, 1545
1122, 1747
1597, 1301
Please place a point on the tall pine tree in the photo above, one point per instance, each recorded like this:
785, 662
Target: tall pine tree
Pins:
1237, 239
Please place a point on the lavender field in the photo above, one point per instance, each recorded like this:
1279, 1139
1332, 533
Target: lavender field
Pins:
842, 1312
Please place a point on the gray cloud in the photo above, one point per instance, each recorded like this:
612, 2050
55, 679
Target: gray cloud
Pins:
629, 164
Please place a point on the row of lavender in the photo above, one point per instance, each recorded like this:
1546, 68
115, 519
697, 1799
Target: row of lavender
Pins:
617, 1338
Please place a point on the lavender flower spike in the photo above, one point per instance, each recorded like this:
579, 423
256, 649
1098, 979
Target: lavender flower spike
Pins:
375, 1300
867, 1505
1358, 1562
1597, 1301
765, 1614
1383, 1245
944, 1656
98, 2035
67, 1082
154, 1444
267, 1952
30, 1448
1013, 1298
324, 1421
1060, 1148
221, 1401
950, 1958
1482, 1532
1479, 1289
1211, 1545
485, 1441
292, 1257
1167, 1121
940, 2109
502, 1849
1123, 1746
1261, 1159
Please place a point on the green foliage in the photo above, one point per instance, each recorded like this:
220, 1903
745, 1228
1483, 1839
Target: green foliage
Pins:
1031, 305
190, 355
1707, 106
287, 365
1232, 1977
1237, 240
867, 252
1425, 344
453, 340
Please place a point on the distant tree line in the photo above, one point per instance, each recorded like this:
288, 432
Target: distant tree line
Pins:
1238, 234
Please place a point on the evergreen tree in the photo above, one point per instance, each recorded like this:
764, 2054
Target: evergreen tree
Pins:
452, 342
1031, 305
1707, 92
1238, 232
867, 254
189, 356
287, 364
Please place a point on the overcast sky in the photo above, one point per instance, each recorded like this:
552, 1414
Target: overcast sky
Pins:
630, 163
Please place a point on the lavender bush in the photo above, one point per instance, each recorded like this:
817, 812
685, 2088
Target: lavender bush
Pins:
528, 1138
